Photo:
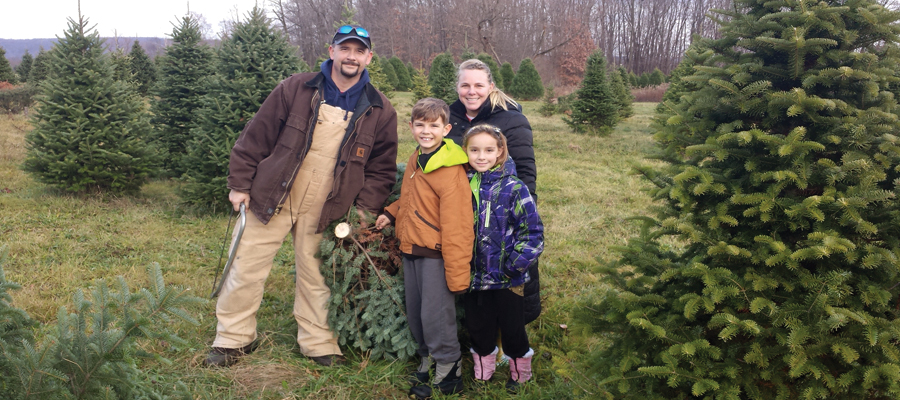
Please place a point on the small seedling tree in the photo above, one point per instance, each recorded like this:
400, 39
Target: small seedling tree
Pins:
770, 269
622, 91
421, 89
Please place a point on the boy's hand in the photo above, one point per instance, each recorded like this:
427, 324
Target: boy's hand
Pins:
382, 221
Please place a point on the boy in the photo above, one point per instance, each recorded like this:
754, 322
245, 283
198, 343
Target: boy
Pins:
434, 221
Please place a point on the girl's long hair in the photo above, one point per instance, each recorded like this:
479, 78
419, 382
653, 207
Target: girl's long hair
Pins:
497, 97
495, 133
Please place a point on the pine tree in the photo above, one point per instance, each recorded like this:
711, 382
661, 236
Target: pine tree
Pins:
252, 61
89, 129
121, 66
527, 83
770, 268
377, 76
622, 93
404, 81
506, 76
184, 71
442, 78
595, 109
547, 107
389, 73
412, 73
142, 68
92, 353
467, 54
40, 69
6, 72
24, 68
657, 77
633, 79
421, 89
696, 54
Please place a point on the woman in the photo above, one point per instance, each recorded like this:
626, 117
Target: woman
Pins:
481, 102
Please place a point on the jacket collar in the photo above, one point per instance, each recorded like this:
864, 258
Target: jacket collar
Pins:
318, 82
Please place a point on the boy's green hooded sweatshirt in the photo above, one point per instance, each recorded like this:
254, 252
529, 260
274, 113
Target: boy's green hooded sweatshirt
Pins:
434, 217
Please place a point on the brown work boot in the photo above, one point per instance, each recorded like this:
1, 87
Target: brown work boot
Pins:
222, 357
330, 360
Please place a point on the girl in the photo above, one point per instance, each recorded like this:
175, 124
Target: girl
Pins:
509, 237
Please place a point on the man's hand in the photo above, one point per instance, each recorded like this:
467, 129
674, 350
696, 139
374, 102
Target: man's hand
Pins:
363, 218
236, 198
382, 222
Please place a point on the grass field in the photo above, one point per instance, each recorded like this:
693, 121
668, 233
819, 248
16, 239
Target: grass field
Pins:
57, 243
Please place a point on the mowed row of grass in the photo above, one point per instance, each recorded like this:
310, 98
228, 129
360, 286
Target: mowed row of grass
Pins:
57, 243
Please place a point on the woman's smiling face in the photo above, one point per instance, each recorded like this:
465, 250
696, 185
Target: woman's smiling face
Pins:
473, 88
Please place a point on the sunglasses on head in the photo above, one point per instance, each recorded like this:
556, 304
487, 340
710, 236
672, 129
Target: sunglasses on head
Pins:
362, 32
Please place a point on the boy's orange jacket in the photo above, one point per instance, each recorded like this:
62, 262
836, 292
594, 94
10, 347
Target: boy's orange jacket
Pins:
434, 216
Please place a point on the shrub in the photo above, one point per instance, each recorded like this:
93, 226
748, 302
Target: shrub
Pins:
14, 99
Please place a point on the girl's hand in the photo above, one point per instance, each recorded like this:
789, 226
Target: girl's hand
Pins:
382, 221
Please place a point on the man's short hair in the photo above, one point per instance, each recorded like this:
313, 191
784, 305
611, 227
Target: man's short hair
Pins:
430, 109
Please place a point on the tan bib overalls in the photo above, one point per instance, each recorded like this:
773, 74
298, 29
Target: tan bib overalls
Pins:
242, 291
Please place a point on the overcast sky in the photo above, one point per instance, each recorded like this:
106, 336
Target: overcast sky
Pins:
29, 19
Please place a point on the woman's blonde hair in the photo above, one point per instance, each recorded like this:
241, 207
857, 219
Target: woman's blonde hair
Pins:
497, 97
495, 133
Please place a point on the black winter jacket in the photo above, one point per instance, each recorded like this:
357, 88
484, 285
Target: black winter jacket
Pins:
520, 143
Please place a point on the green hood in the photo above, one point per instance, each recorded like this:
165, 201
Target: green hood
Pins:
448, 155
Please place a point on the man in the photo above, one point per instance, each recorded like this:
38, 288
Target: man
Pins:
320, 143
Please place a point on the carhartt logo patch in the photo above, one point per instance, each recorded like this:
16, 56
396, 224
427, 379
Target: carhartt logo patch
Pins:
360, 152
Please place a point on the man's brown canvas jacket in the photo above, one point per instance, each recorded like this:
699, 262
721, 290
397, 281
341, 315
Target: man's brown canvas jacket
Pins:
268, 153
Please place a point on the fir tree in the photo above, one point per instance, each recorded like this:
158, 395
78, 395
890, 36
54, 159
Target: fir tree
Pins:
421, 89
89, 129
24, 68
467, 54
6, 72
633, 79
657, 77
40, 69
92, 353
142, 68
547, 107
696, 54
378, 77
527, 83
121, 66
252, 61
184, 71
780, 189
404, 81
506, 76
442, 78
595, 109
412, 73
622, 93
389, 73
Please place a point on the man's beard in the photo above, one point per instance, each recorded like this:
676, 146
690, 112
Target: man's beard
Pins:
350, 75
